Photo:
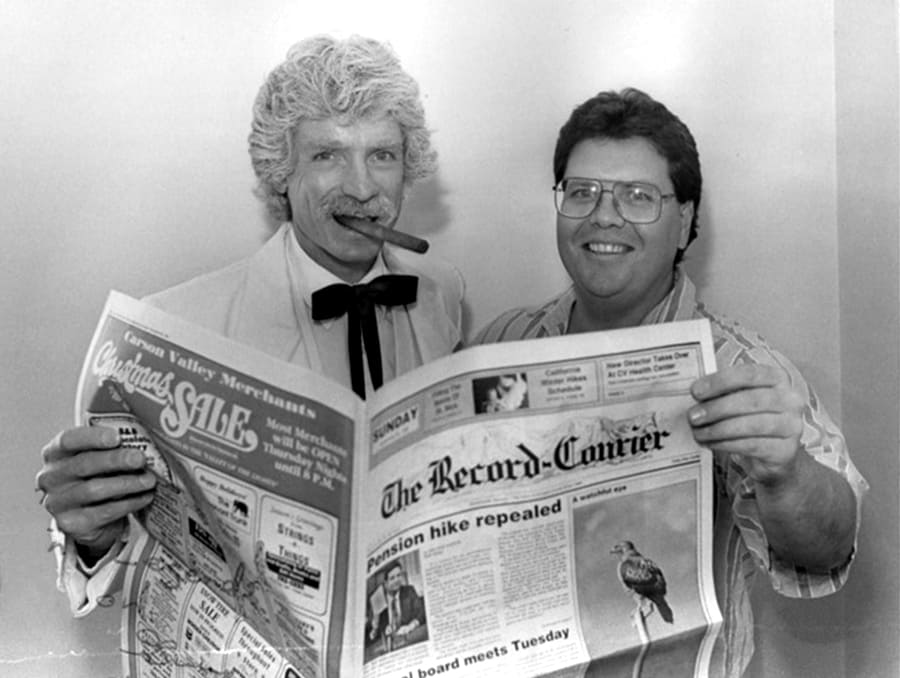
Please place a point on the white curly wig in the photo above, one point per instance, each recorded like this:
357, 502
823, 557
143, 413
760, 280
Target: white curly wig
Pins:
326, 77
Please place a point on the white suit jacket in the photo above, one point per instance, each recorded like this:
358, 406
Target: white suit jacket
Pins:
261, 301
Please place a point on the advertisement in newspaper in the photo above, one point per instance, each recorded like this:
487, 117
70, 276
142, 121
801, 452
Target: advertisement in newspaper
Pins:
531, 508
247, 569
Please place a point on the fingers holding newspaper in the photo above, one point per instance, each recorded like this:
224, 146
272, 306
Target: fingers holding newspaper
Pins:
91, 484
751, 411
754, 412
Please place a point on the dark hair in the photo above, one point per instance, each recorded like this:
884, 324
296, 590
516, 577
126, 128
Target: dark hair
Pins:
391, 566
633, 113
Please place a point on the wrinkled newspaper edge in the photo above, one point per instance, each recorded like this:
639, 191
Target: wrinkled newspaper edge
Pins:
440, 392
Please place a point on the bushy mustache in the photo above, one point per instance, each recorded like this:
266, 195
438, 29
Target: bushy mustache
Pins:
379, 207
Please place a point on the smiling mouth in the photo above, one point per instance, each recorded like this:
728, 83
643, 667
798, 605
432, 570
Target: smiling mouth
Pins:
606, 248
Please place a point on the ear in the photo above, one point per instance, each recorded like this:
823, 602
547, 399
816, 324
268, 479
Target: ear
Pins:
686, 215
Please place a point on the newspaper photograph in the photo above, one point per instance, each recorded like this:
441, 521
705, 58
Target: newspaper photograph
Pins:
533, 508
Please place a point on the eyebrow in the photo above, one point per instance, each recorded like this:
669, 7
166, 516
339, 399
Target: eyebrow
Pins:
650, 181
332, 143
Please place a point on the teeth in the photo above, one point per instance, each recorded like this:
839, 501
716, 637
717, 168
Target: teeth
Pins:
606, 248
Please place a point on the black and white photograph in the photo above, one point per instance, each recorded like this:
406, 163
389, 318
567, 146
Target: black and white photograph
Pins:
501, 393
363, 189
635, 572
395, 607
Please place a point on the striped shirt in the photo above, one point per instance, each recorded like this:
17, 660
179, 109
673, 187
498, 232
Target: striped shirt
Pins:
740, 545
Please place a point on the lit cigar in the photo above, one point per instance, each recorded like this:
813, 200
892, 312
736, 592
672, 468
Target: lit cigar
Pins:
379, 232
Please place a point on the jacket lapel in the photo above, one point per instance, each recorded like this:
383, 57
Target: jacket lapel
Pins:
425, 332
263, 315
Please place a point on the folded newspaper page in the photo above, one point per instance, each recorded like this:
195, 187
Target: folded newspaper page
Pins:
530, 508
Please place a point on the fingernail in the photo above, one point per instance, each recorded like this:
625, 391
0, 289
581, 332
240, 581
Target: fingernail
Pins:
110, 437
696, 415
700, 387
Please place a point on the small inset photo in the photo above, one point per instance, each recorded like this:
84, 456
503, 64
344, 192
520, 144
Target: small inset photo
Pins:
395, 607
500, 393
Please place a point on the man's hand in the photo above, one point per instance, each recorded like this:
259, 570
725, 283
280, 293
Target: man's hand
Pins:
91, 485
752, 411
406, 629
808, 511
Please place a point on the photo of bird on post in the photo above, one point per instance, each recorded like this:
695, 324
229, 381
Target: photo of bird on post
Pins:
645, 581
643, 578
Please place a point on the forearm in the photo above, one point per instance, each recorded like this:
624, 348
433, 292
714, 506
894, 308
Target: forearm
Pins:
809, 515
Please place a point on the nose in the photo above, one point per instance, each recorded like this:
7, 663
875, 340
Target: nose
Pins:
358, 182
605, 214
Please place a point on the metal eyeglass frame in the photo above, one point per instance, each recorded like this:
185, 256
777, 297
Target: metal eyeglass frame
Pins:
558, 190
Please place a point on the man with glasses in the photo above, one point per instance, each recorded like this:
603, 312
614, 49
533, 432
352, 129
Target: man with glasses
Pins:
627, 194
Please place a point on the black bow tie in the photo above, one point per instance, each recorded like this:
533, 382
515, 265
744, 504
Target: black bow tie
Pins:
358, 302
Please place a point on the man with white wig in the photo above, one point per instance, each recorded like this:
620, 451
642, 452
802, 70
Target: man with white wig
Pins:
338, 137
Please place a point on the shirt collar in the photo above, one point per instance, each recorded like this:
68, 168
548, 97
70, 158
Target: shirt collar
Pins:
678, 304
312, 276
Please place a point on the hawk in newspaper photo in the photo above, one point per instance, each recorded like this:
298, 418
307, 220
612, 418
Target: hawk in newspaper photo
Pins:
644, 579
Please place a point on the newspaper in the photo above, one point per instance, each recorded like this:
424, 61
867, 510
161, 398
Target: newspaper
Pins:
490, 513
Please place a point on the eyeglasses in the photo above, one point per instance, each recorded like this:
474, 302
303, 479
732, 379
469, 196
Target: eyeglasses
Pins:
635, 201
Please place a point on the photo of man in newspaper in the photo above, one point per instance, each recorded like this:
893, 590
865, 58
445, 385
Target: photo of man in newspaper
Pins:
395, 609
500, 393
